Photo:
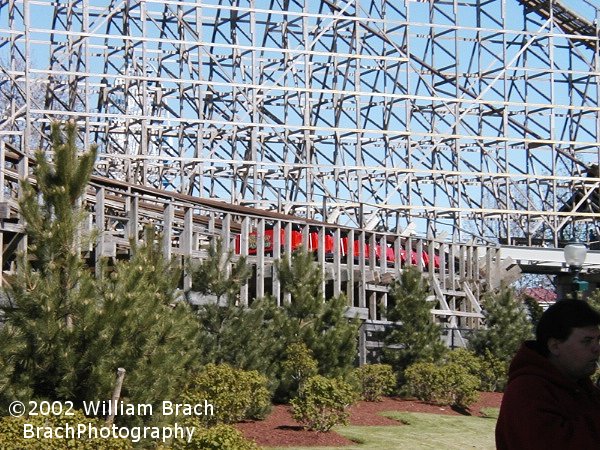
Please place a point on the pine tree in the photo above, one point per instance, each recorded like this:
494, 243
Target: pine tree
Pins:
321, 325
507, 326
219, 274
143, 326
52, 292
67, 331
231, 333
415, 337
243, 337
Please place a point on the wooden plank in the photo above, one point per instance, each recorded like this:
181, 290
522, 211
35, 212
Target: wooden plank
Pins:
4, 210
350, 268
168, 231
260, 259
353, 311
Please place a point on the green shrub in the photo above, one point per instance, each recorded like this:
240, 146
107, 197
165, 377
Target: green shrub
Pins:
298, 367
466, 358
260, 396
12, 434
494, 372
447, 384
469, 360
322, 402
507, 326
375, 381
424, 381
234, 393
219, 437
489, 370
461, 386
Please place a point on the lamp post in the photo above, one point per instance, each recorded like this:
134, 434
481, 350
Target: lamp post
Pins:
575, 254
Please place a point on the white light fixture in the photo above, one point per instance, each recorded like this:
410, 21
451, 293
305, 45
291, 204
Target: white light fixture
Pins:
575, 254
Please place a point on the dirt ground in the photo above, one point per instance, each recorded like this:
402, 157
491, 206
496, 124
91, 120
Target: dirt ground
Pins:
279, 429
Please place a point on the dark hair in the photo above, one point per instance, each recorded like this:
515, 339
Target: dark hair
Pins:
559, 320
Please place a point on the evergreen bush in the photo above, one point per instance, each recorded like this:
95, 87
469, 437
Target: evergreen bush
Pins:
298, 367
142, 326
424, 381
52, 293
322, 403
461, 386
534, 310
234, 393
220, 274
321, 325
243, 337
494, 372
446, 384
507, 326
464, 357
231, 333
489, 370
374, 381
265, 337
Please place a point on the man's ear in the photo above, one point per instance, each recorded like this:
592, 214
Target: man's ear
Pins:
554, 346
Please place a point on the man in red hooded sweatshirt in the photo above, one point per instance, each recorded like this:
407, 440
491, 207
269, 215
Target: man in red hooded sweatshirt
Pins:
550, 402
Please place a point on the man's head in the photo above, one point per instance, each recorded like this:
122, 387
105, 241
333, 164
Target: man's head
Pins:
569, 336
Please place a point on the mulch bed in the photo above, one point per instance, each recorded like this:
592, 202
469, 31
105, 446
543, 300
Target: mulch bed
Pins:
280, 430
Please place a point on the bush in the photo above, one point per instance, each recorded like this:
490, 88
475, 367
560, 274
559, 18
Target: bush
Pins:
466, 358
67, 331
12, 434
424, 381
298, 367
489, 370
322, 402
472, 363
494, 372
219, 437
375, 381
507, 326
234, 393
461, 386
447, 384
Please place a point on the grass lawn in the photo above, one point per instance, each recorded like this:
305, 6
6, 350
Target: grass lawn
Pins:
421, 431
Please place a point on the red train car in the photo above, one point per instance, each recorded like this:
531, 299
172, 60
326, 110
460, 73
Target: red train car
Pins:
313, 245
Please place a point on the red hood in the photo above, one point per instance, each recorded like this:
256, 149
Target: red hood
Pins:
542, 409
529, 361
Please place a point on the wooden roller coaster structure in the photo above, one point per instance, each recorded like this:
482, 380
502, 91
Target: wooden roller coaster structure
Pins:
357, 263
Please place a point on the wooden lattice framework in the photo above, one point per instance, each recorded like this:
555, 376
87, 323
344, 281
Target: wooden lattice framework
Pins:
458, 118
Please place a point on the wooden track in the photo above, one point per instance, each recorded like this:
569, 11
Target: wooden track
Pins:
120, 211
566, 19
